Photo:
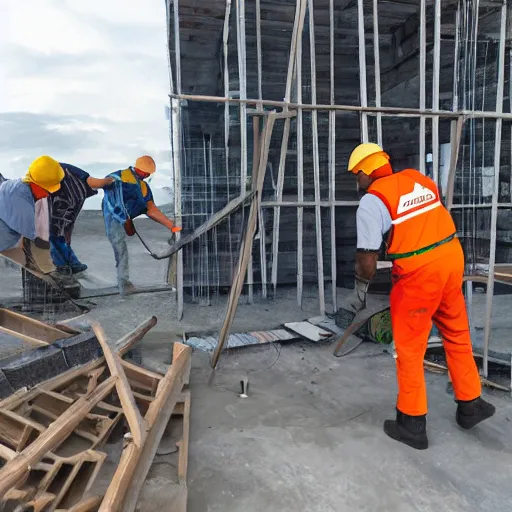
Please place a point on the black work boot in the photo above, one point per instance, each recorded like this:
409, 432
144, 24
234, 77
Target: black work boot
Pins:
471, 412
410, 430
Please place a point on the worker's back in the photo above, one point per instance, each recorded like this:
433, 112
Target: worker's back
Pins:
17, 211
421, 225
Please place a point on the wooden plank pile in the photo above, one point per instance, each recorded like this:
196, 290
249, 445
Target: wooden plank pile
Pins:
53, 436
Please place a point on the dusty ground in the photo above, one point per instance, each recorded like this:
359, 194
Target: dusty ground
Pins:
309, 437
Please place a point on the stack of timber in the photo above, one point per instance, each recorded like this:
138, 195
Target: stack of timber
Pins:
53, 436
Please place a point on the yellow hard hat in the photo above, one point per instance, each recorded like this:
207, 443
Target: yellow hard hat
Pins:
367, 158
45, 172
145, 164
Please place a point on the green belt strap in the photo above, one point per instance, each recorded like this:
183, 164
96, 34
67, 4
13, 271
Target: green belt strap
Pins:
421, 251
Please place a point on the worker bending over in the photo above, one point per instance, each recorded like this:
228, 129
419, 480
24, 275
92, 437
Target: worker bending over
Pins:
428, 267
129, 197
18, 201
66, 205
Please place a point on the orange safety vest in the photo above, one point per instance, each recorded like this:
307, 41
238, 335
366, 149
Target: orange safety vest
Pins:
419, 220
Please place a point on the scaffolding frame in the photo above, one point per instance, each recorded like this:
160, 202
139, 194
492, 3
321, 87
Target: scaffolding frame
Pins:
288, 108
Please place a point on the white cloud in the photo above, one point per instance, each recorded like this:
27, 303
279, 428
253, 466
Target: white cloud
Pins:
95, 76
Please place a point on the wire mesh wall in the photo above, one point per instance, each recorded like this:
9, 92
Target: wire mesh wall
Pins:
429, 81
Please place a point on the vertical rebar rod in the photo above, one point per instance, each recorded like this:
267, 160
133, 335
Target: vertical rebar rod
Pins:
455, 97
332, 158
362, 69
316, 163
376, 57
435, 89
423, 64
176, 113
495, 192
225, 40
300, 178
258, 51
242, 81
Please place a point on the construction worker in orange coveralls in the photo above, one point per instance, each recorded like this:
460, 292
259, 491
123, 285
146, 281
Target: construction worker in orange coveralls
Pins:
428, 267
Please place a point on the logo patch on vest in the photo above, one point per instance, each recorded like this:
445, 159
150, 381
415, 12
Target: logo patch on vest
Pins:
419, 196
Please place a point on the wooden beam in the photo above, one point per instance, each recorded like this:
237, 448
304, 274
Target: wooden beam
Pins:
233, 206
316, 164
131, 412
87, 504
183, 453
52, 437
300, 14
123, 491
246, 247
27, 339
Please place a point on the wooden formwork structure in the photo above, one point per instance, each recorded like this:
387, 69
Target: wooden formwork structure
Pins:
52, 437
293, 107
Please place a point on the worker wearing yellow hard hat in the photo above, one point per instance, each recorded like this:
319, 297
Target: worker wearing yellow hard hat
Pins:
129, 197
428, 266
18, 200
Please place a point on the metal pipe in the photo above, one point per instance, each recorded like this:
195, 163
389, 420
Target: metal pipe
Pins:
362, 69
176, 134
495, 193
435, 89
423, 60
385, 111
316, 164
376, 57
332, 150
300, 179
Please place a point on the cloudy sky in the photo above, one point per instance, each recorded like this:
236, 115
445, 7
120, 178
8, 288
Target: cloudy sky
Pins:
85, 82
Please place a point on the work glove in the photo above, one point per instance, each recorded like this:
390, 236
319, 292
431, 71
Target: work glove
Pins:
357, 301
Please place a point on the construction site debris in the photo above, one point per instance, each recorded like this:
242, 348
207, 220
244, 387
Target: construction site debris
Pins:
52, 436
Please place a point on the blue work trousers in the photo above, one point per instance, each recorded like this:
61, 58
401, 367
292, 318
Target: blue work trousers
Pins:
61, 252
117, 236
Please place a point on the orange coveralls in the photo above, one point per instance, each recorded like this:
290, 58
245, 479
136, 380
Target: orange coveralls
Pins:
427, 287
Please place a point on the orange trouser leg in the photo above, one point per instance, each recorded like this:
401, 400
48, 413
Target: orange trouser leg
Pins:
452, 321
414, 299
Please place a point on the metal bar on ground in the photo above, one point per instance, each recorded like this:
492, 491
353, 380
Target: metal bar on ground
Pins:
495, 192
316, 164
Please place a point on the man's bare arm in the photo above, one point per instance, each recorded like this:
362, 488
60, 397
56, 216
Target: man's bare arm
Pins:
366, 264
155, 214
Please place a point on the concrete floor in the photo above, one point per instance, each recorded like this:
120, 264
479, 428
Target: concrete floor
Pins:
309, 437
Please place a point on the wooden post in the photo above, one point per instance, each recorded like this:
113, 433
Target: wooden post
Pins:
316, 165
246, 248
300, 12
455, 137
